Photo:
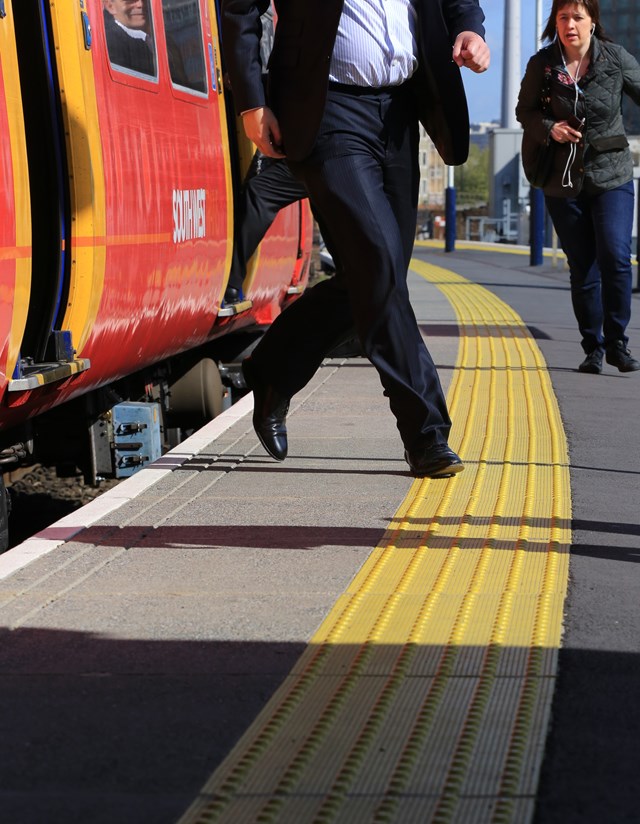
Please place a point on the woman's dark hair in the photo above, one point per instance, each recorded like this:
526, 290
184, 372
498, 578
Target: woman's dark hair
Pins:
591, 7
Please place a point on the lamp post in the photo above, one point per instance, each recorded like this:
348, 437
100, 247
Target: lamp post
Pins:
450, 212
511, 63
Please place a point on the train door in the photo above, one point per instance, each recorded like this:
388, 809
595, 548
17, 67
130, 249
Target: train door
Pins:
47, 350
165, 181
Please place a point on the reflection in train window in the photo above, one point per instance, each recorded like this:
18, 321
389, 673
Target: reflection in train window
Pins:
129, 30
184, 43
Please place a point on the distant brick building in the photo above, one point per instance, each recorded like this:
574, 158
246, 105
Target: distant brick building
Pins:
433, 176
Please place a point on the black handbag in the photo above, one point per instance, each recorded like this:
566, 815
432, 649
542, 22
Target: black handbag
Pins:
538, 158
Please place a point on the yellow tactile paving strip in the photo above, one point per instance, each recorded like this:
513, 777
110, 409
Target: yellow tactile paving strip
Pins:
425, 694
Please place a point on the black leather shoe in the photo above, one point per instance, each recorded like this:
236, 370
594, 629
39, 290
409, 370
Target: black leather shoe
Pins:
433, 462
592, 363
618, 355
232, 295
269, 413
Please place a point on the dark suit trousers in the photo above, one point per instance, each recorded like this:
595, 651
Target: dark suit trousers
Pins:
362, 177
268, 187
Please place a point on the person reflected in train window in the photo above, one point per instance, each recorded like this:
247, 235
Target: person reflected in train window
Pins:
127, 25
343, 106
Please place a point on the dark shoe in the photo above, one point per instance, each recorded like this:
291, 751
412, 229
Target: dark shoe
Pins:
269, 413
433, 462
618, 355
232, 295
592, 363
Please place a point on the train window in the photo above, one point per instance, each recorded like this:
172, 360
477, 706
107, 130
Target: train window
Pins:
129, 30
184, 43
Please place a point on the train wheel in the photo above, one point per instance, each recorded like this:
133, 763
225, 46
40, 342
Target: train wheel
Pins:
4, 516
197, 397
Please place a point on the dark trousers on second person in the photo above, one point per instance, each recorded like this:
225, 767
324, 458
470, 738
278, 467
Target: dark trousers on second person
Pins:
362, 177
268, 187
595, 234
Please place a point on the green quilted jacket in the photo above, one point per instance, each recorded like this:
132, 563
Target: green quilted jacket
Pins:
548, 94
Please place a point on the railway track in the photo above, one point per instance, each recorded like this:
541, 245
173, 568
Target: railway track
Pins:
39, 498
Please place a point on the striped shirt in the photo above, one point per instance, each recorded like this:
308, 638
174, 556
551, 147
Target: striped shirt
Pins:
376, 43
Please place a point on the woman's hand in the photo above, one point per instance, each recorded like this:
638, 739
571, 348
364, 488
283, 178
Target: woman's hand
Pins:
562, 132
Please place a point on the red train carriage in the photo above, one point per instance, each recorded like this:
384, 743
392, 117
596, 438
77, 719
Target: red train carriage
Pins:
116, 229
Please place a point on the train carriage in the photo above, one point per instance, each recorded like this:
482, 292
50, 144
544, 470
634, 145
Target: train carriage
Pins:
117, 220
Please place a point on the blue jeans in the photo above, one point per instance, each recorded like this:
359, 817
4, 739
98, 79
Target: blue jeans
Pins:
595, 234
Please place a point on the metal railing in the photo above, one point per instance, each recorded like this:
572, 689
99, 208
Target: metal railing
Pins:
492, 229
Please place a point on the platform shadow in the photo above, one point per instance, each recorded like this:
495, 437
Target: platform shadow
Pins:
123, 731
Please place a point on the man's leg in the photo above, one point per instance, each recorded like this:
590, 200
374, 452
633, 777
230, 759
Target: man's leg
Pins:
363, 180
368, 223
268, 187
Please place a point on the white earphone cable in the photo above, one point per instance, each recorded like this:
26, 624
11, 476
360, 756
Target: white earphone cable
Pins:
573, 149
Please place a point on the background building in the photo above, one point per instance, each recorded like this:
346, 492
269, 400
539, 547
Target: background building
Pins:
433, 174
479, 133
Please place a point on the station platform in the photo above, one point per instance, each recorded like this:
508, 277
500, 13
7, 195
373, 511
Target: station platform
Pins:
223, 638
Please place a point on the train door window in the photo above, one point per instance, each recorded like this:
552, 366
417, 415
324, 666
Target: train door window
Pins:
128, 28
183, 28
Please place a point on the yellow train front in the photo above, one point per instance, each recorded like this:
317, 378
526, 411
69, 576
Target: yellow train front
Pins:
116, 233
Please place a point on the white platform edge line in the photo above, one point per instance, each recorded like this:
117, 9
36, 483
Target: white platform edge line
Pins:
66, 528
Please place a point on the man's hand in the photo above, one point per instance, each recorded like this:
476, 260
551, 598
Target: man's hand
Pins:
261, 126
471, 51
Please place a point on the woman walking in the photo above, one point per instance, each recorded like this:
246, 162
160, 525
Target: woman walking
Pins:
570, 106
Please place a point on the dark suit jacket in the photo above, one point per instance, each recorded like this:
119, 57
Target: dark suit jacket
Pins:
299, 67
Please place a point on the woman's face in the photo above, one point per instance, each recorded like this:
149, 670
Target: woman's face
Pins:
574, 27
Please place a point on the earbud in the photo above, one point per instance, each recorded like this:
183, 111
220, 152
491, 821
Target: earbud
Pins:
593, 28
